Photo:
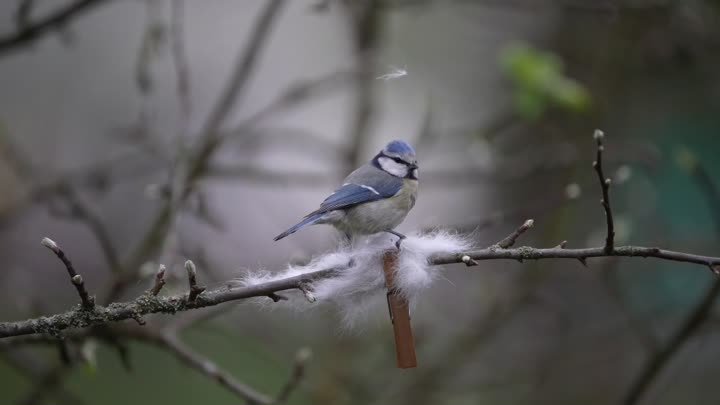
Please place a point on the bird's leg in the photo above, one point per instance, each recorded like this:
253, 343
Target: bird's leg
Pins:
400, 238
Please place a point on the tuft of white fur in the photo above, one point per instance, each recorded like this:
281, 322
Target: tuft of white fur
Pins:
360, 284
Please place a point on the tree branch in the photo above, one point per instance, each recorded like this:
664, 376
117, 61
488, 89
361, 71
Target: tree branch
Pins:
605, 187
301, 359
82, 317
31, 31
365, 23
199, 363
159, 281
512, 238
88, 302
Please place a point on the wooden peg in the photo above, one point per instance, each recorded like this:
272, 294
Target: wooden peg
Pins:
399, 315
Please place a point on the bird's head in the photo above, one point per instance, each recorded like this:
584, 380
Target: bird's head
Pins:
398, 159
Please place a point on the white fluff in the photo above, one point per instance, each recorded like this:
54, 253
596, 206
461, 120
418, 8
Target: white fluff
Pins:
361, 286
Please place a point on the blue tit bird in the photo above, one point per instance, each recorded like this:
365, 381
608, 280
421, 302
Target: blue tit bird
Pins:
374, 198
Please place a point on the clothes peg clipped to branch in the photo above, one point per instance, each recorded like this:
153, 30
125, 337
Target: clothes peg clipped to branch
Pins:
399, 315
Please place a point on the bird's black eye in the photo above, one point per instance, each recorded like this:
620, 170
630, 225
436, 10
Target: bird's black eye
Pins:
398, 160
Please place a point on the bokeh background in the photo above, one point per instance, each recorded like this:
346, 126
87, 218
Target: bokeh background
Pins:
101, 113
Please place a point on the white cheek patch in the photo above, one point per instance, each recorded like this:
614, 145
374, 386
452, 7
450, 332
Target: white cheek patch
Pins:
392, 167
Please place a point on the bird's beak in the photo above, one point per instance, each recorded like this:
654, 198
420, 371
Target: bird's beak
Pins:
413, 166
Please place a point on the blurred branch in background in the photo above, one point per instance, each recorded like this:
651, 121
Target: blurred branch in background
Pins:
127, 272
365, 23
29, 30
698, 315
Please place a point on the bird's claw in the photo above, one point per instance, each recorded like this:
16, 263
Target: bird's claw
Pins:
399, 241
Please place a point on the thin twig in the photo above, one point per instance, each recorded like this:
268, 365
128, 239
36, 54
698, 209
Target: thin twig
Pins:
32, 31
82, 212
243, 67
298, 373
77, 280
599, 137
292, 96
165, 340
195, 289
159, 280
201, 364
365, 24
510, 240
211, 140
658, 362
179, 57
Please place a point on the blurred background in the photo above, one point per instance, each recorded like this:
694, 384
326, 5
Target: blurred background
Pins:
137, 132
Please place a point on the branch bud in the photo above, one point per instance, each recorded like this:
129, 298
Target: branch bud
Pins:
598, 135
190, 268
50, 244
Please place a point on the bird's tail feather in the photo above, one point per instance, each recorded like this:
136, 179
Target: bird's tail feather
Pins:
310, 220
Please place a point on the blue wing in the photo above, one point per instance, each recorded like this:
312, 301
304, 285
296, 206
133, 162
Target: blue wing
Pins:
353, 194
366, 184
345, 197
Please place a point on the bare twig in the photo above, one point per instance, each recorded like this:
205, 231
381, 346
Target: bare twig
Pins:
243, 67
510, 240
159, 281
657, 363
365, 22
82, 212
164, 340
77, 280
195, 289
605, 186
211, 139
31, 31
292, 96
298, 373
182, 68
201, 364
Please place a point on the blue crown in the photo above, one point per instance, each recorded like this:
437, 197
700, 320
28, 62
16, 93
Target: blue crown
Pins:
400, 148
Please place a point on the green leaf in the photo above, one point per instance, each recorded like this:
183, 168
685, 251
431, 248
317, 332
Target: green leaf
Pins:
539, 82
